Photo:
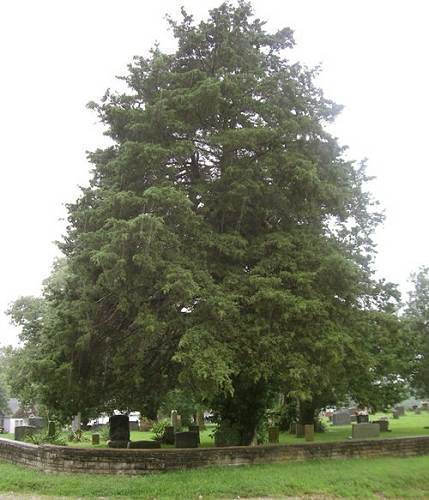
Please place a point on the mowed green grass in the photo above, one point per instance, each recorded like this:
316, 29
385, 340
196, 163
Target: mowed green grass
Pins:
409, 425
354, 478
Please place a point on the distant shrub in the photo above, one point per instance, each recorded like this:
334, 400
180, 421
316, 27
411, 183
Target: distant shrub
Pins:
44, 438
158, 428
104, 433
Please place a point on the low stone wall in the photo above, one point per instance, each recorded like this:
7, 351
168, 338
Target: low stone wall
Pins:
131, 461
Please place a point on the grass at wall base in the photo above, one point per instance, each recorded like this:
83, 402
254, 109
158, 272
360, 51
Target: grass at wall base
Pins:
363, 478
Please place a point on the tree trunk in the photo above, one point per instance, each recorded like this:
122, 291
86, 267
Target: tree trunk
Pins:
307, 412
244, 410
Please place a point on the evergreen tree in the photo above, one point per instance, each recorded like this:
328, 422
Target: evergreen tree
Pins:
224, 242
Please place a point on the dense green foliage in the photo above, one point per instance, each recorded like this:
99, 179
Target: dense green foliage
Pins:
4, 388
223, 245
417, 320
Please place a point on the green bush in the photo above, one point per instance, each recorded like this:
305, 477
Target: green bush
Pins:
104, 433
158, 428
44, 438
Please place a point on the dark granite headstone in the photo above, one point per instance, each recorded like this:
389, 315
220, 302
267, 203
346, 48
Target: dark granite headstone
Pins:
195, 428
186, 439
384, 425
362, 419
22, 431
168, 436
52, 429
134, 425
119, 428
144, 445
95, 438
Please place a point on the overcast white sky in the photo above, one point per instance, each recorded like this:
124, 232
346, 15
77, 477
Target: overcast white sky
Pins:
55, 56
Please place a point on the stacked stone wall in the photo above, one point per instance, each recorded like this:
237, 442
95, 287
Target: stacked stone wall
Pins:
134, 461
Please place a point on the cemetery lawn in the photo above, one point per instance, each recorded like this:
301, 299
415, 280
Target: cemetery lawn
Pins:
354, 478
409, 425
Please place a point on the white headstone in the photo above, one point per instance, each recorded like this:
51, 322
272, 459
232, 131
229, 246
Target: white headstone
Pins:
76, 423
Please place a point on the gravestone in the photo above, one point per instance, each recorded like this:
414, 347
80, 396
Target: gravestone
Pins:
22, 431
119, 430
195, 428
134, 425
384, 425
341, 417
38, 422
292, 428
425, 406
273, 435
362, 419
395, 414
319, 426
309, 432
52, 430
365, 430
168, 436
95, 438
186, 439
76, 423
144, 445
400, 410
174, 420
299, 430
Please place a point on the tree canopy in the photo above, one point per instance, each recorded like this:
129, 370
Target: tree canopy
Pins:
224, 242
417, 318
4, 389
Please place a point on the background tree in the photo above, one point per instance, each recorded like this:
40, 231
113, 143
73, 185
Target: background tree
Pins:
4, 388
416, 316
